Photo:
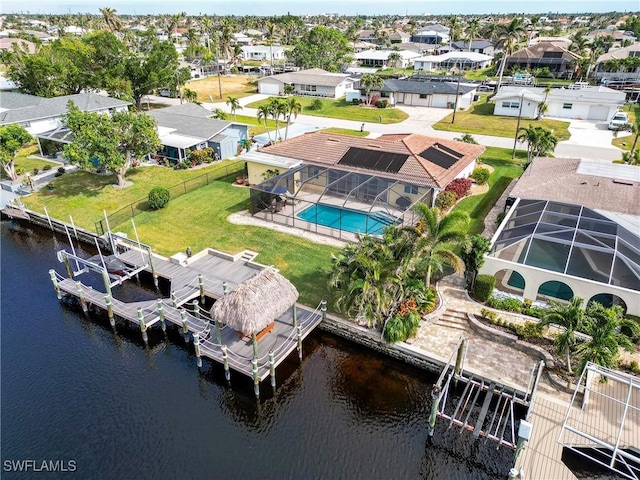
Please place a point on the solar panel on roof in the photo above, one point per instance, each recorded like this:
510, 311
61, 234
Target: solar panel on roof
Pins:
453, 152
373, 160
439, 157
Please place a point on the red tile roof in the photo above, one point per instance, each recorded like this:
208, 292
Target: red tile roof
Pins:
326, 149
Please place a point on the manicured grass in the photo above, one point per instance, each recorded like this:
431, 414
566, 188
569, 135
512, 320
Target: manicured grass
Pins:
478, 74
85, 195
394, 71
626, 141
479, 119
257, 127
25, 164
346, 131
304, 263
505, 170
346, 111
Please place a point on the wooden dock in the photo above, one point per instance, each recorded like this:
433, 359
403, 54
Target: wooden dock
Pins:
214, 274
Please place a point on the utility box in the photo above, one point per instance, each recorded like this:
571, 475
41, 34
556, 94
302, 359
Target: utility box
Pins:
524, 431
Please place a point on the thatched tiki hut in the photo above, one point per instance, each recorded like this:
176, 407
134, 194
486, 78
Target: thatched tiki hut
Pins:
254, 304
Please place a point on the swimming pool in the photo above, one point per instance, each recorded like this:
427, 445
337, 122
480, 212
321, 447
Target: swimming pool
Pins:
348, 220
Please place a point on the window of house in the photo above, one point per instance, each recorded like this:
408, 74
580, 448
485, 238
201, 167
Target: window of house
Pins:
423, 95
307, 88
510, 104
567, 106
411, 189
384, 94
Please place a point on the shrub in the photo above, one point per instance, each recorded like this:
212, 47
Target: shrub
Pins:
61, 170
512, 305
36, 171
531, 330
316, 105
400, 327
460, 186
500, 217
382, 104
483, 288
158, 198
355, 101
633, 366
445, 199
46, 167
480, 175
200, 156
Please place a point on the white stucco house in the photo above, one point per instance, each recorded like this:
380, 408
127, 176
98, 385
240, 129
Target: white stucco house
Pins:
586, 103
572, 229
314, 82
380, 58
459, 60
262, 53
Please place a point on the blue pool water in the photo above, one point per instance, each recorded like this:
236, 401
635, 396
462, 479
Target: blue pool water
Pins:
347, 220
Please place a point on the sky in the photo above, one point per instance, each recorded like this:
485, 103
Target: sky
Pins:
350, 7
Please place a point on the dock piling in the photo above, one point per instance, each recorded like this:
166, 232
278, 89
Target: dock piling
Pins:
225, 362
460, 359
163, 324
196, 346
54, 280
272, 369
107, 300
143, 326
435, 404
83, 300
67, 265
225, 288
185, 327
201, 285
299, 334
256, 378
218, 334
174, 300
196, 309
294, 313
323, 309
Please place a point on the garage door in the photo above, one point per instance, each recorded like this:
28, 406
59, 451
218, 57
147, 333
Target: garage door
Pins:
269, 88
598, 112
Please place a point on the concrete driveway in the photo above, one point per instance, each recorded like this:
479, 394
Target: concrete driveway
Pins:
589, 139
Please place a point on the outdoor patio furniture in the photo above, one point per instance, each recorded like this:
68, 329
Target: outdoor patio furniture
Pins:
403, 202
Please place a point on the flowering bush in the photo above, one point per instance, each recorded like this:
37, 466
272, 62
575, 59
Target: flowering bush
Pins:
460, 186
445, 199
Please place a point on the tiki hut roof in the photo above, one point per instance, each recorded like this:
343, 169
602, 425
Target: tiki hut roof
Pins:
256, 302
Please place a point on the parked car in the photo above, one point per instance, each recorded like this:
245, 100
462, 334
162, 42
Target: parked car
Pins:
620, 121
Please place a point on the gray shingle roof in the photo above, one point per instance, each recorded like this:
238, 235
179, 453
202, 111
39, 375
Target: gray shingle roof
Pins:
462, 45
313, 76
27, 108
422, 87
189, 119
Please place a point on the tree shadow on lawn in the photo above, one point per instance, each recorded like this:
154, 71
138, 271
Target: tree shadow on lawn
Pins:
78, 183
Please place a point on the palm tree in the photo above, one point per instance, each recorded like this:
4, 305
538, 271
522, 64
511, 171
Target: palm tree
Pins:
369, 81
453, 22
635, 129
603, 325
270, 36
509, 36
438, 238
294, 107
570, 318
472, 31
234, 104
189, 95
263, 114
111, 19
277, 108
540, 141
289, 89
393, 59
489, 30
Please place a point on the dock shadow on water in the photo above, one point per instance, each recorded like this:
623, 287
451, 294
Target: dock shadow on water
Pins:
72, 389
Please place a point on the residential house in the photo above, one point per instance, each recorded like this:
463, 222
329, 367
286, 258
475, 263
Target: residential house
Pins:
572, 229
431, 36
190, 127
8, 44
314, 82
242, 39
478, 46
460, 60
622, 64
421, 92
584, 103
378, 178
557, 59
618, 38
380, 58
264, 53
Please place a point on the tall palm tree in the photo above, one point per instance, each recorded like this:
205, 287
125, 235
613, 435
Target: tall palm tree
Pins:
263, 114
437, 238
393, 59
294, 107
369, 81
570, 318
473, 27
277, 108
270, 37
453, 22
111, 19
603, 326
540, 141
508, 38
234, 104
489, 31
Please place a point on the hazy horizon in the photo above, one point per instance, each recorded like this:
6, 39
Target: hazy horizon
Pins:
314, 7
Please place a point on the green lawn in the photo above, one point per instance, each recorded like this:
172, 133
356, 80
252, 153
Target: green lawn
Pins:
346, 131
346, 111
24, 164
479, 119
624, 141
505, 170
478, 74
257, 127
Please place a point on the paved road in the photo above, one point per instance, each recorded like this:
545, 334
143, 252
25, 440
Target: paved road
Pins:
589, 139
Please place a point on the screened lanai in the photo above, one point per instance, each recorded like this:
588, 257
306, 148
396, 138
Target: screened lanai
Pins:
335, 202
571, 240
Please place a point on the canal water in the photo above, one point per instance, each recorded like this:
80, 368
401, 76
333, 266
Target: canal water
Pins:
75, 392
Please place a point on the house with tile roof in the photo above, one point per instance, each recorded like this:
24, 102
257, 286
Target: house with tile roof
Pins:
622, 64
190, 127
313, 82
543, 54
571, 229
378, 178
